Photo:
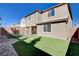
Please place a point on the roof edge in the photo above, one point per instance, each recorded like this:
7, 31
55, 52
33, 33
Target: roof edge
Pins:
39, 11
60, 4
70, 10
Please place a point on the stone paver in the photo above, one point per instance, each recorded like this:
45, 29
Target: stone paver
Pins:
6, 48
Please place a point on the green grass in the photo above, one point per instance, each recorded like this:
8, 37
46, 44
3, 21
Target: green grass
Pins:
73, 49
51, 46
24, 49
34, 44
31, 38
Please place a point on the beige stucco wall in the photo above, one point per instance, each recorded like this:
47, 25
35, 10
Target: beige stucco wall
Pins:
25, 30
69, 27
39, 17
32, 20
58, 30
60, 12
28, 30
26, 22
22, 30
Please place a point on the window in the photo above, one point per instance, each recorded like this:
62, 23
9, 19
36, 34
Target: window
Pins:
51, 13
44, 27
47, 28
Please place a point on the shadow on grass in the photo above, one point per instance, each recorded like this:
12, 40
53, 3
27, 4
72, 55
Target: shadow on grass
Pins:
33, 42
25, 49
23, 38
73, 49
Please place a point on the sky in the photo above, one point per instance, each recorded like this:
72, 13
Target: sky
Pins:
11, 13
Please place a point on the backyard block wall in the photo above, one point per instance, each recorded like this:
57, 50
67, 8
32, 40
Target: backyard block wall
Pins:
75, 37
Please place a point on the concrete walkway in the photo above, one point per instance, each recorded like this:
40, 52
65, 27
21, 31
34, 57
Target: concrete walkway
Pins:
6, 48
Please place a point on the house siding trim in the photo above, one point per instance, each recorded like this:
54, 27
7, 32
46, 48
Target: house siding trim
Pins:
53, 21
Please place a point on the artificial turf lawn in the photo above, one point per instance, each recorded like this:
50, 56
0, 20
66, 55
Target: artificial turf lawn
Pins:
73, 49
51, 46
24, 49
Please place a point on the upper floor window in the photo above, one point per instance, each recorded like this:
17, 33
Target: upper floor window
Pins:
51, 13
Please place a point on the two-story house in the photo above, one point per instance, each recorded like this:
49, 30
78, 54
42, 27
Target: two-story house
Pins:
28, 23
54, 22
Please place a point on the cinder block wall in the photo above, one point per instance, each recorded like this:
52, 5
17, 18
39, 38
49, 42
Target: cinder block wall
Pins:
3, 31
75, 37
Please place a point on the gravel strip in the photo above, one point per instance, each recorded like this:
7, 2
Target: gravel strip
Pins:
6, 48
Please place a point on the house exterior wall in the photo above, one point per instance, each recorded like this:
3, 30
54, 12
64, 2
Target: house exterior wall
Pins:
22, 31
31, 21
59, 30
59, 14
38, 17
26, 23
22, 23
27, 30
69, 27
